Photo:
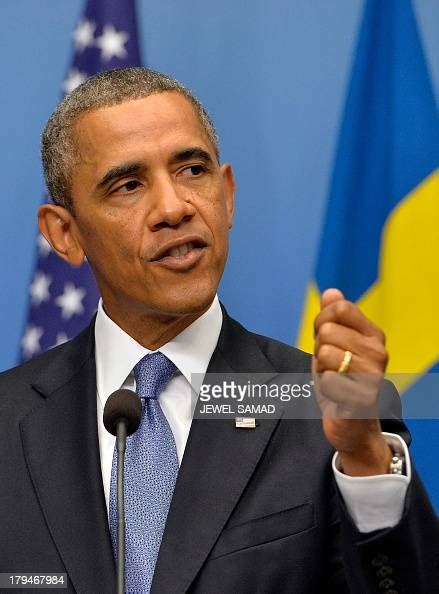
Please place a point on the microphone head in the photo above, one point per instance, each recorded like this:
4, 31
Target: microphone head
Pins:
122, 404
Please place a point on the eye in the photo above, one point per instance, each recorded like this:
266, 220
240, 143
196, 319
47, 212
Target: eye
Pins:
128, 187
193, 170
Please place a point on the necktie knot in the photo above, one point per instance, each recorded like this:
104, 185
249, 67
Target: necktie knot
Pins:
152, 374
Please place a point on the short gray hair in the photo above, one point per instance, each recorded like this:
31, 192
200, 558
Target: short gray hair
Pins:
58, 148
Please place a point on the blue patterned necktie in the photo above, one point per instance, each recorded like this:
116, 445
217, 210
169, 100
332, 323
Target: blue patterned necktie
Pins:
151, 468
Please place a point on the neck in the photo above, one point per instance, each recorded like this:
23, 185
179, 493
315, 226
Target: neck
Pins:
152, 329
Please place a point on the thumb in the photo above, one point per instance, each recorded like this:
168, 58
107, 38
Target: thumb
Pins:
330, 296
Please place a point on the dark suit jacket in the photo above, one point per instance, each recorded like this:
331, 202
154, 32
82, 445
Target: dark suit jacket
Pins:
254, 511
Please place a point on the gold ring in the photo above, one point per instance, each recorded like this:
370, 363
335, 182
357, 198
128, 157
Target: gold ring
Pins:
344, 365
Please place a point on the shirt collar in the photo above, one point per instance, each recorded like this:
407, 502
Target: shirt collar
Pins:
117, 352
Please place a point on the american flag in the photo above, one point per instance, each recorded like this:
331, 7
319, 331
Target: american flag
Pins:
63, 299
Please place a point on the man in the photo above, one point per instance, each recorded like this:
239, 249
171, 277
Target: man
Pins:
132, 165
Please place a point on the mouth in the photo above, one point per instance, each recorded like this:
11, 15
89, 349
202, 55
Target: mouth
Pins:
181, 254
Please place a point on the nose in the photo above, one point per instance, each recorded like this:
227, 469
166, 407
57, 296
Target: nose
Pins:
171, 205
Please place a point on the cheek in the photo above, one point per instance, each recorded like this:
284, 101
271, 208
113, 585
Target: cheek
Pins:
213, 209
107, 244
220, 223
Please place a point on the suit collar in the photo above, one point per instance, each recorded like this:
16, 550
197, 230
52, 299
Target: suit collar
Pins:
61, 448
60, 365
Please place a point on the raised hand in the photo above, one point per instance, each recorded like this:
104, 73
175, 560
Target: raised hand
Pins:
348, 365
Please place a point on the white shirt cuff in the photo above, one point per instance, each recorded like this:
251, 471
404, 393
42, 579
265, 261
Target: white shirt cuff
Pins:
375, 502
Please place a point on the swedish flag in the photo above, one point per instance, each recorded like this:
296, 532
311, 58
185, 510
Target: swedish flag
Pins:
380, 239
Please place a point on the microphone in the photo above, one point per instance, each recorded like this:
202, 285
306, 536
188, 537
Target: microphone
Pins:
122, 414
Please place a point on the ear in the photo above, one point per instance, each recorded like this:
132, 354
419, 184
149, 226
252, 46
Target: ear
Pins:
229, 190
58, 226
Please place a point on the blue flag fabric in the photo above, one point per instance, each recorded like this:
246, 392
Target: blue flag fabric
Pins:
380, 240
63, 299
388, 144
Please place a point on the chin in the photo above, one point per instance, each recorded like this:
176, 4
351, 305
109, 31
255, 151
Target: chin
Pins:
188, 302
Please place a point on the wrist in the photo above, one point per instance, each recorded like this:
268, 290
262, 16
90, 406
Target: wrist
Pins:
370, 459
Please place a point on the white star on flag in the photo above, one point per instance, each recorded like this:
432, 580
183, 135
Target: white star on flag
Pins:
43, 246
83, 35
30, 342
61, 338
111, 43
39, 289
73, 80
70, 301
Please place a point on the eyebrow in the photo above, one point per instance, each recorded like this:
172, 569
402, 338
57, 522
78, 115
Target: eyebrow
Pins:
192, 152
117, 172
179, 156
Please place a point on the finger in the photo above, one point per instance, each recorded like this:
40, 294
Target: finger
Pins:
369, 348
358, 394
329, 358
330, 296
347, 314
327, 297
368, 355
340, 336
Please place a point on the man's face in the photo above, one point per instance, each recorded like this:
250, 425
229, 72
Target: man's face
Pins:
152, 206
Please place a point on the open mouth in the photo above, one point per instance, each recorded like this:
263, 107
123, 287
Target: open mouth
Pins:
180, 254
181, 250
178, 250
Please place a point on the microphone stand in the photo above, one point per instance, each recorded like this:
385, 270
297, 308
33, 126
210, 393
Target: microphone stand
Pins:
121, 439
122, 414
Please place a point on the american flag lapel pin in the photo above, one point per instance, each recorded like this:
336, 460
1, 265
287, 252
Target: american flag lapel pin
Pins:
245, 423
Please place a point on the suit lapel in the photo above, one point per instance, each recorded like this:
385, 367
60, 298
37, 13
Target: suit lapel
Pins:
60, 444
218, 462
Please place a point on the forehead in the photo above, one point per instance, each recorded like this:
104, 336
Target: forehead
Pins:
157, 119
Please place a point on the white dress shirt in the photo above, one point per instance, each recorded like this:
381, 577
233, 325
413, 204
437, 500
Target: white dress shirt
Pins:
373, 502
